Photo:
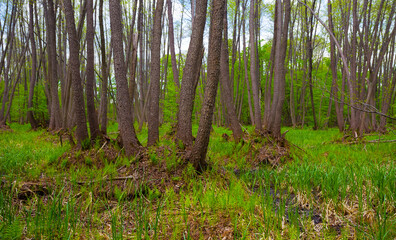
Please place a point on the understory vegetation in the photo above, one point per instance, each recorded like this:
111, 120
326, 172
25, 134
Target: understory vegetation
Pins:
319, 184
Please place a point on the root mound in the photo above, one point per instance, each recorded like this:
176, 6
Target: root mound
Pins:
266, 150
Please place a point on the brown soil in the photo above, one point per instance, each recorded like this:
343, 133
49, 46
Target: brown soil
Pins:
266, 150
142, 176
5, 128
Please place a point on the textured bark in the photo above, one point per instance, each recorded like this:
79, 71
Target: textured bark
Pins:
175, 70
124, 113
225, 83
153, 121
199, 150
92, 117
187, 91
74, 65
254, 71
55, 119
282, 13
103, 94
30, 116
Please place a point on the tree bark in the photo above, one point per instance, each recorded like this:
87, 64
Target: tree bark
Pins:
225, 83
153, 121
124, 113
333, 63
254, 71
33, 73
55, 119
199, 150
175, 70
103, 95
282, 13
187, 91
92, 117
74, 65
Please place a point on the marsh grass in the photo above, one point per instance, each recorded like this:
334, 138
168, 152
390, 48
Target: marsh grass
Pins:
329, 190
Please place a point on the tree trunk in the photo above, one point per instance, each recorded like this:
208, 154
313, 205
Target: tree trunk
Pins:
333, 63
225, 83
124, 113
103, 95
309, 54
254, 71
92, 117
153, 121
187, 91
175, 70
74, 65
199, 150
282, 13
33, 73
245, 61
55, 119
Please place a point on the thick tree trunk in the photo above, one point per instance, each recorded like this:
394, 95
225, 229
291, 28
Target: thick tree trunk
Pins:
74, 65
153, 121
124, 113
282, 13
92, 117
187, 91
199, 150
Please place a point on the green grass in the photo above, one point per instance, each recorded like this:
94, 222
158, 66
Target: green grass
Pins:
329, 190
23, 150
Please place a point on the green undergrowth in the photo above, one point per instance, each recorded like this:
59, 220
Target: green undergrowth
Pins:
331, 189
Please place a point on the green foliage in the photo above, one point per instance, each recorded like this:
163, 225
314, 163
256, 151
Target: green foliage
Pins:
280, 202
21, 150
169, 103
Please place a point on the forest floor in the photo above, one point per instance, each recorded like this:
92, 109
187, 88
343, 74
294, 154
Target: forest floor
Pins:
318, 185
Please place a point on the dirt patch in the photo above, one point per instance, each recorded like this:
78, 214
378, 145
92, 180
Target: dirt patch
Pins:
266, 150
147, 173
5, 128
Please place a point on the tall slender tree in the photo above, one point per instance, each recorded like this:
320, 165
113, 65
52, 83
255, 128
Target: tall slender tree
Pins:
55, 119
226, 84
92, 116
282, 15
200, 148
33, 73
254, 71
124, 113
175, 70
153, 123
191, 68
103, 94
74, 65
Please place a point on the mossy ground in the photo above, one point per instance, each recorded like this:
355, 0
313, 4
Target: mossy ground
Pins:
320, 187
